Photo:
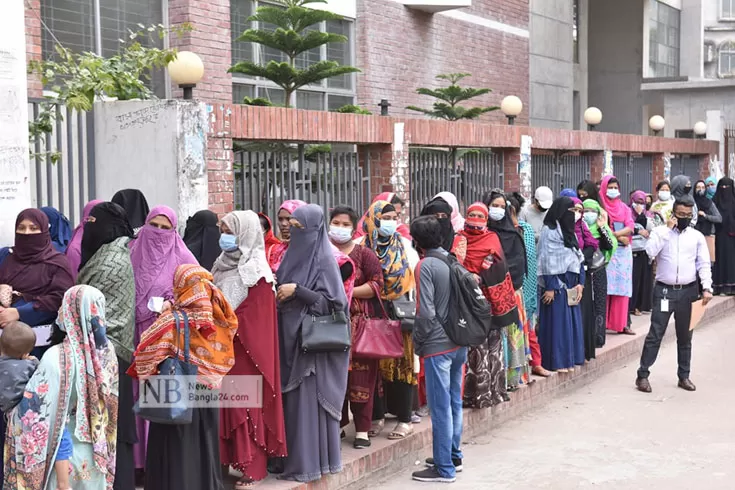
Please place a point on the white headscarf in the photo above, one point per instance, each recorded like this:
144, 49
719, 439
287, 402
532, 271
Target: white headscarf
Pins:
457, 219
238, 270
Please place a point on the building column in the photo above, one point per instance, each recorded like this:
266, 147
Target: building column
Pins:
511, 177
597, 165
219, 155
657, 160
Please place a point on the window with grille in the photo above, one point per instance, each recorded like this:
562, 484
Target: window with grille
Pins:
663, 42
726, 61
329, 94
727, 9
73, 24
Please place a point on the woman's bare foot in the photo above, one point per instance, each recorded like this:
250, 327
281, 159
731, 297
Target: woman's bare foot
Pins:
540, 371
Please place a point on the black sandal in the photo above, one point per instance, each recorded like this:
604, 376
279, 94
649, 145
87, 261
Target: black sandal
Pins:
361, 443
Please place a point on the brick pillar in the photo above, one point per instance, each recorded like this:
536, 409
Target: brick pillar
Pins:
704, 170
597, 165
210, 39
33, 43
657, 160
511, 178
219, 161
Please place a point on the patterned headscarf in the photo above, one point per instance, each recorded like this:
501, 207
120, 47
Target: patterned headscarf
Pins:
397, 273
212, 326
90, 361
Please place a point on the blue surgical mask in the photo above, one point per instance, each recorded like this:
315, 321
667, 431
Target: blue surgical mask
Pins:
227, 242
387, 227
496, 214
590, 217
340, 234
613, 193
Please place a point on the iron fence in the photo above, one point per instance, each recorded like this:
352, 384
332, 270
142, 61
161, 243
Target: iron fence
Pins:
559, 171
264, 179
466, 174
634, 172
685, 165
62, 161
729, 159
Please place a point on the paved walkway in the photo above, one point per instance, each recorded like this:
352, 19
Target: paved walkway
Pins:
607, 435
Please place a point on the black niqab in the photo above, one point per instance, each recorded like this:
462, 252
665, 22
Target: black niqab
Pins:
439, 205
559, 214
511, 238
725, 201
108, 222
202, 237
135, 205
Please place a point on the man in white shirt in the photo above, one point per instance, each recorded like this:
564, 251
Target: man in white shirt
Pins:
534, 212
681, 254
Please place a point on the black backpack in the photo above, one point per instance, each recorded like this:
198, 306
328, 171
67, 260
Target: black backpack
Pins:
470, 314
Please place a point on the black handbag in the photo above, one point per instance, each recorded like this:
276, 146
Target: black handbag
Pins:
405, 311
330, 333
597, 261
175, 410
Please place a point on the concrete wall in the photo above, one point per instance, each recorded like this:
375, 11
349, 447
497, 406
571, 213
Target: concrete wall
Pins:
692, 38
551, 58
616, 64
400, 49
157, 147
581, 69
684, 108
718, 39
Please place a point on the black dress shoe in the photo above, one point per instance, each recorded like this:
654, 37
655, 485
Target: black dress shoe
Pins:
643, 385
686, 384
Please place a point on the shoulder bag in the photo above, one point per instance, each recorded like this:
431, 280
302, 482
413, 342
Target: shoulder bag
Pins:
329, 333
378, 338
166, 406
404, 311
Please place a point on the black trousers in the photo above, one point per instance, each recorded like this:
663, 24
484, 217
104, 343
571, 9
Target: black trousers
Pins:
680, 305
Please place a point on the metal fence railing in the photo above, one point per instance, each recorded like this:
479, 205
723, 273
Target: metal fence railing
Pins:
466, 174
685, 165
559, 171
264, 179
634, 172
66, 181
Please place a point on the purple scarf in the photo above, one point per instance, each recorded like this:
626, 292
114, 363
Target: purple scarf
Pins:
584, 236
155, 255
74, 251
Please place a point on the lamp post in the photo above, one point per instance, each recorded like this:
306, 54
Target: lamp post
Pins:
700, 130
384, 105
186, 71
511, 106
593, 117
656, 123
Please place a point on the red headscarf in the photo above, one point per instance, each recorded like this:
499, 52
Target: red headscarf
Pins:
34, 268
271, 240
481, 242
276, 253
402, 229
618, 211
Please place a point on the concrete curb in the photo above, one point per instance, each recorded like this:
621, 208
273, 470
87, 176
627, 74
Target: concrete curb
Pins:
364, 468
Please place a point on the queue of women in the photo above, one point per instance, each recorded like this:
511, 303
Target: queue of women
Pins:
247, 287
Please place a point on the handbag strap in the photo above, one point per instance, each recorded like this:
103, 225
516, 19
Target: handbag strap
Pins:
380, 300
185, 319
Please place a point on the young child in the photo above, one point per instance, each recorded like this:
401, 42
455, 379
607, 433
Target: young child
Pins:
16, 368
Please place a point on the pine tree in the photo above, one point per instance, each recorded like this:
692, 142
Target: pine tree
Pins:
447, 106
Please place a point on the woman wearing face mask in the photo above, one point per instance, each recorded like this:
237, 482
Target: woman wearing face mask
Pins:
284, 230
664, 205
397, 262
724, 275
596, 220
709, 215
135, 205
588, 190
156, 253
560, 270
711, 183
363, 376
588, 245
444, 212
619, 270
642, 268
202, 237
397, 203
516, 341
314, 384
486, 378
249, 436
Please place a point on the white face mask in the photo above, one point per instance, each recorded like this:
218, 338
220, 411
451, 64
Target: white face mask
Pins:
638, 208
496, 214
340, 234
664, 195
577, 216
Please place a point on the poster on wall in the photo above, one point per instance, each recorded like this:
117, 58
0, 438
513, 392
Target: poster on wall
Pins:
607, 169
524, 166
15, 188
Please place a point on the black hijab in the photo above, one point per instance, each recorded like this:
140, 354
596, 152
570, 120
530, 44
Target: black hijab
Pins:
439, 205
725, 201
559, 214
202, 237
590, 188
511, 238
108, 222
135, 205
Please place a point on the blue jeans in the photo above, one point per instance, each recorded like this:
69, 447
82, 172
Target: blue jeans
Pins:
444, 395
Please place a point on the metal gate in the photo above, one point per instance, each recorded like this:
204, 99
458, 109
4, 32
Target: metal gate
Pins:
685, 165
467, 176
729, 158
559, 171
62, 161
633, 173
264, 179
